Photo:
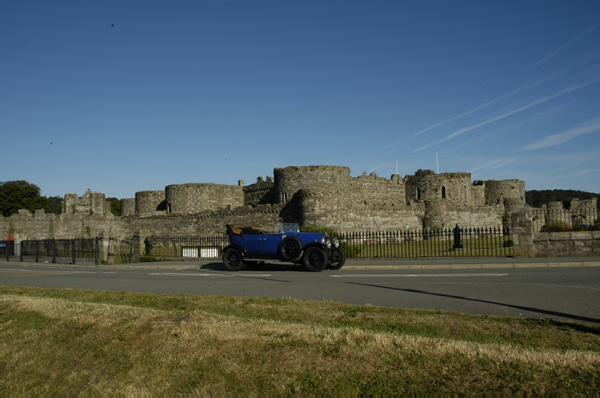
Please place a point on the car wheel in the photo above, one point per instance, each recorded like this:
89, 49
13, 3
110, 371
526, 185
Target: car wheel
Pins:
290, 249
315, 259
337, 259
255, 265
232, 259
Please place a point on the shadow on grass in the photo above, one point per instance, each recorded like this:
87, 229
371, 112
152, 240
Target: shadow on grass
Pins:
580, 328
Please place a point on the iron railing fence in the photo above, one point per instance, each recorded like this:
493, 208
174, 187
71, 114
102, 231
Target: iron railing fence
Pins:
185, 246
120, 251
447, 242
556, 220
7, 249
63, 251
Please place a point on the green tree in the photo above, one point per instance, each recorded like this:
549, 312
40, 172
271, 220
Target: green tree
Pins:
54, 205
16, 195
115, 206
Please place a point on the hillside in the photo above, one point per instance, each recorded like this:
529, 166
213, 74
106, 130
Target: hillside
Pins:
537, 198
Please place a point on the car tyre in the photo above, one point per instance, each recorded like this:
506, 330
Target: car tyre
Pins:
232, 259
315, 259
290, 249
337, 259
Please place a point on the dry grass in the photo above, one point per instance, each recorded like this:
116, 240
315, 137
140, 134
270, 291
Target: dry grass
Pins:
64, 341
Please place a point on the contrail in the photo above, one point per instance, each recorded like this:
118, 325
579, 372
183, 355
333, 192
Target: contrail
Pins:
534, 103
575, 40
518, 90
591, 126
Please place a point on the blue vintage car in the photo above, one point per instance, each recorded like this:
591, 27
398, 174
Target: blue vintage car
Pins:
250, 246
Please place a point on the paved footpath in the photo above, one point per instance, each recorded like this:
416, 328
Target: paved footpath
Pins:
372, 264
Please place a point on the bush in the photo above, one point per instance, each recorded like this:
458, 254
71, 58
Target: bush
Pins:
557, 226
353, 251
312, 228
508, 243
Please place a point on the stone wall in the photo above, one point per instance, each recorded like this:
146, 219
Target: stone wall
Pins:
260, 193
371, 190
561, 244
128, 207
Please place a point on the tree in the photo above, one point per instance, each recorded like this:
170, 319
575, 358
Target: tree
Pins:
115, 206
54, 205
16, 195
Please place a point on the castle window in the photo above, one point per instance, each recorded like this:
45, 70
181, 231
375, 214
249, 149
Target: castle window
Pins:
418, 193
284, 197
443, 192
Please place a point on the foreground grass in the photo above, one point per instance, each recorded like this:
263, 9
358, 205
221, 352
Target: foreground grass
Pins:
75, 341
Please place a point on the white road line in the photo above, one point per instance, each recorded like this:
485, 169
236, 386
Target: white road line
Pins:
413, 275
225, 275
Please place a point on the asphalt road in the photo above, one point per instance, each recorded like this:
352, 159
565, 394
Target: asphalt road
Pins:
566, 293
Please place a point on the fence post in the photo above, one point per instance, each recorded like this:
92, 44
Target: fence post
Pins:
53, 251
37, 251
97, 250
73, 247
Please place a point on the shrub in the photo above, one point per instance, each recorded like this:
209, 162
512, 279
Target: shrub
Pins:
508, 243
557, 226
353, 251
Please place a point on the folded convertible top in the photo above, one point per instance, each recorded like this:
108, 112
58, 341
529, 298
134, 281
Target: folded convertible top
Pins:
236, 230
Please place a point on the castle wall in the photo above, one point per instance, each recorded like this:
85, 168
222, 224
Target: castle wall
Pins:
370, 190
90, 203
260, 193
478, 193
149, 203
195, 198
327, 210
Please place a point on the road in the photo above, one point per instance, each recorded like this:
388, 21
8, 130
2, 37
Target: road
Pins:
569, 293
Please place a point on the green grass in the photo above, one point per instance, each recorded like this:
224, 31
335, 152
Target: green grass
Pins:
76, 341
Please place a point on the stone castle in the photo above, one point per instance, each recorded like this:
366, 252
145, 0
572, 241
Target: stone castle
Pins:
326, 196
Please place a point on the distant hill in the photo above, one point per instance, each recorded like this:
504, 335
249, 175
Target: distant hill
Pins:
538, 198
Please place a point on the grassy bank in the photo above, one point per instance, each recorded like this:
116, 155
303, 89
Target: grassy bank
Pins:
74, 341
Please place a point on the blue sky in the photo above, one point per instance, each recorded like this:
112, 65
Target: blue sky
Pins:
127, 96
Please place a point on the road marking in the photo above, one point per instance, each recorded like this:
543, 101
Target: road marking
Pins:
413, 275
225, 275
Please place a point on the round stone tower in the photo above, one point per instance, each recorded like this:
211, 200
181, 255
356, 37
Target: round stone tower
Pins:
128, 207
323, 179
426, 185
148, 203
509, 192
198, 197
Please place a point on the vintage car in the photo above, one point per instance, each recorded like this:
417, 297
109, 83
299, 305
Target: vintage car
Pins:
250, 246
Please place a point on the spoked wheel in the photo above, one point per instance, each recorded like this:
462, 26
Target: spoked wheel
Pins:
290, 249
255, 265
315, 259
232, 259
337, 259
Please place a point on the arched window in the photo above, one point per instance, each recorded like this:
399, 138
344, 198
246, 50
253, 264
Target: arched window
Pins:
443, 192
418, 193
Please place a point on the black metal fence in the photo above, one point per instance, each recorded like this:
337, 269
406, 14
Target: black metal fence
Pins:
185, 246
447, 242
454, 242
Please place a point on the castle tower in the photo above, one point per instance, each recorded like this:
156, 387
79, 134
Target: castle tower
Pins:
497, 192
149, 203
426, 185
324, 179
195, 198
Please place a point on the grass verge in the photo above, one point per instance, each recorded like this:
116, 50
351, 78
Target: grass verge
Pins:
76, 341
